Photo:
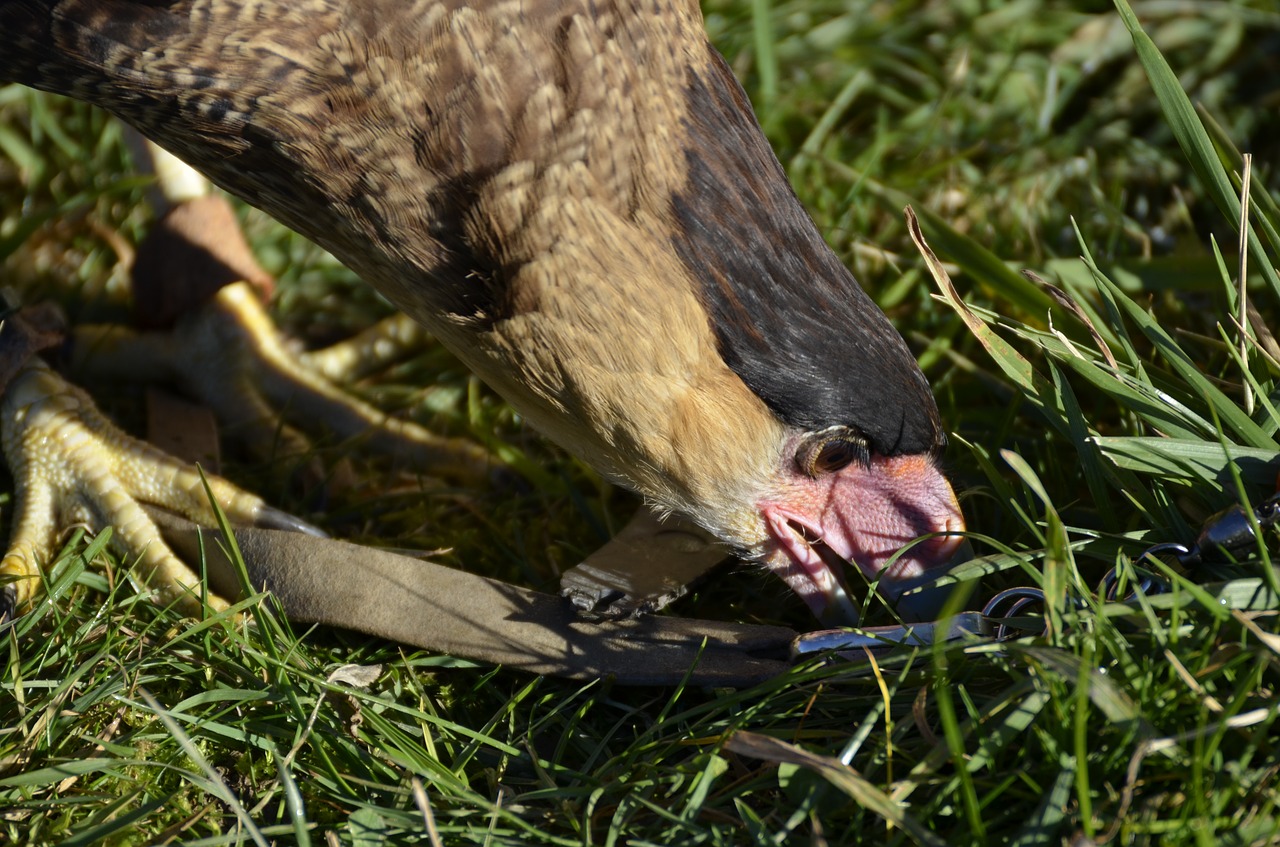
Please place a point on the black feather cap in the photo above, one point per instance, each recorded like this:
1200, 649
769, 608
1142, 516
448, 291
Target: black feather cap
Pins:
789, 318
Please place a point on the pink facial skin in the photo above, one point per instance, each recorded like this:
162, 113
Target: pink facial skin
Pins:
862, 515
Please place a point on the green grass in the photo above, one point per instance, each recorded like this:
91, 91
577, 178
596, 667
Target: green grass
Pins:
1025, 135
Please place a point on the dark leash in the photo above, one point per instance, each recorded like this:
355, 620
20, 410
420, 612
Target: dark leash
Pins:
320, 580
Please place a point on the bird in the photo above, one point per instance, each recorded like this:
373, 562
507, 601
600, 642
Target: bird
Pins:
576, 199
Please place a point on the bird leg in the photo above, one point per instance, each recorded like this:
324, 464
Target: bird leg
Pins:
73, 466
229, 355
196, 298
390, 340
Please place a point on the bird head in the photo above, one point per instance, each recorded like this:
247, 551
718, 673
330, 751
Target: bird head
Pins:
689, 333
838, 504
846, 423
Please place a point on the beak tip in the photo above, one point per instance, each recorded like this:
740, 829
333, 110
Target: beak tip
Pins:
917, 598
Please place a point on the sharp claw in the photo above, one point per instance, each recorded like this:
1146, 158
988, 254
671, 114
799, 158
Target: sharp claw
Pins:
8, 605
272, 518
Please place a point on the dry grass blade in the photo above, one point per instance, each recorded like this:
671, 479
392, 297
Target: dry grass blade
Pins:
1243, 276
841, 776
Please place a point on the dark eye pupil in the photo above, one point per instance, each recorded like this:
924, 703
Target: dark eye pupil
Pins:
835, 454
830, 450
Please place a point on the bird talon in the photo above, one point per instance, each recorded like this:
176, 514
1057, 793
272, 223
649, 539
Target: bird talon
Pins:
68, 461
270, 517
8, 606
229, 354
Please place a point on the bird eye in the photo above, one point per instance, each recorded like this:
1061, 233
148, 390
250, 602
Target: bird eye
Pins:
830, 451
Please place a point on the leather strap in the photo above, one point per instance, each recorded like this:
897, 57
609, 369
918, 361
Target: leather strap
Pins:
320, 580
648, 564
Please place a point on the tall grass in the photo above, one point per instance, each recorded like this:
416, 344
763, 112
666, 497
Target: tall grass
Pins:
1098, 406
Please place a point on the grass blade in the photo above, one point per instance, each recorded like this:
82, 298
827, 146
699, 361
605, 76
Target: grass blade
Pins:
1191, 135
